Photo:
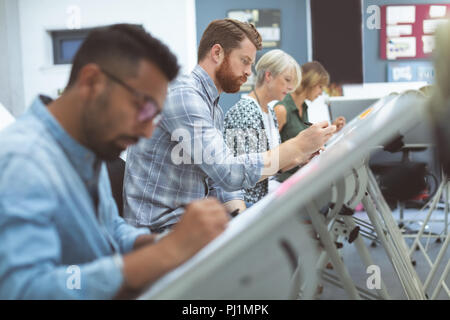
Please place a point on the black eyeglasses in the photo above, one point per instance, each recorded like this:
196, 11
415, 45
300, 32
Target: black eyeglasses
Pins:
149, 109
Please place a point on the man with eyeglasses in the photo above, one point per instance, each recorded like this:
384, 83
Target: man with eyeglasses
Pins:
60, 232
187, 157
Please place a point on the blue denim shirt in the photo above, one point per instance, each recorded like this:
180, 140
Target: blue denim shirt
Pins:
157, 184
47, 218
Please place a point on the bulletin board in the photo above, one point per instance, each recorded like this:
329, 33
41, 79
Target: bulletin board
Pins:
268, 24
266, 21
407, 31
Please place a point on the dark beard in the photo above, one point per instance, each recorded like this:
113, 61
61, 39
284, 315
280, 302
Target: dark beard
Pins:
94, 127
227, 80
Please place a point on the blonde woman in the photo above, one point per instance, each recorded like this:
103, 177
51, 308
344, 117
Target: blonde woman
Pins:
277, 74
292, 111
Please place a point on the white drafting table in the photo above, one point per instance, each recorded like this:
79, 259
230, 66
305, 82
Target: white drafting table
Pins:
247, 261
349, 108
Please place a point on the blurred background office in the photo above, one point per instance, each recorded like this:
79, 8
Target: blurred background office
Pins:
371, 48
40, 37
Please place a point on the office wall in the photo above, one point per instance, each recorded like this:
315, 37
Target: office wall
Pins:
294, 31
375, 69
293, 26
172, 21
11, 82
5, 97
26, 67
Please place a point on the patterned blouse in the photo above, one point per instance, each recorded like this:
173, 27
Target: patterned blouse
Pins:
244, 132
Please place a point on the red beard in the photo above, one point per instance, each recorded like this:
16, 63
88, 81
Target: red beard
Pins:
227, 80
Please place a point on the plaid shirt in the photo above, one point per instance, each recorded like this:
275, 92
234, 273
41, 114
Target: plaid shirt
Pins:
157, 185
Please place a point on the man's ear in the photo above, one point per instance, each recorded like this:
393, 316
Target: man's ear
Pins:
90, 80
217, 53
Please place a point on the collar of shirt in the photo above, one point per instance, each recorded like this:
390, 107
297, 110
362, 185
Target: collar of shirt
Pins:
289, 99
84, 161
208, 84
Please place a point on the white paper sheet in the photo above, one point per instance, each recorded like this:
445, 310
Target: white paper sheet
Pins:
240, 15
438, 11
400, 14
402, 73
430, 25
428, 44
398, 30
403, 47
269, 33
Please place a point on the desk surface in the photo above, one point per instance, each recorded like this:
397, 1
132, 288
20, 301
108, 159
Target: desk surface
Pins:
348, 148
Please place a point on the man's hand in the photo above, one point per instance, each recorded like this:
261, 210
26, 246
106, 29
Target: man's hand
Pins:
312, 139
297, 150
339, 123
203, 221
232, 205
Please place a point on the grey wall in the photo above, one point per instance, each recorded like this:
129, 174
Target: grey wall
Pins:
294, 40
293, 26
11, 82
294, 34
375, 69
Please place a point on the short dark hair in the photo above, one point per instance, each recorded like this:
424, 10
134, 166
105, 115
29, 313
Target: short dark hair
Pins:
228, 33
121, 47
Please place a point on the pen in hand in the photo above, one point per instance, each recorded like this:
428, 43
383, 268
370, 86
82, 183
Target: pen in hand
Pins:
234, 213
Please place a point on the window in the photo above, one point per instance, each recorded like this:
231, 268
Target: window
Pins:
66, 43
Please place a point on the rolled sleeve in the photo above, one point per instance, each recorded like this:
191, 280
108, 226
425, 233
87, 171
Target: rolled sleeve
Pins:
225, 196
31, 254
126, 235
